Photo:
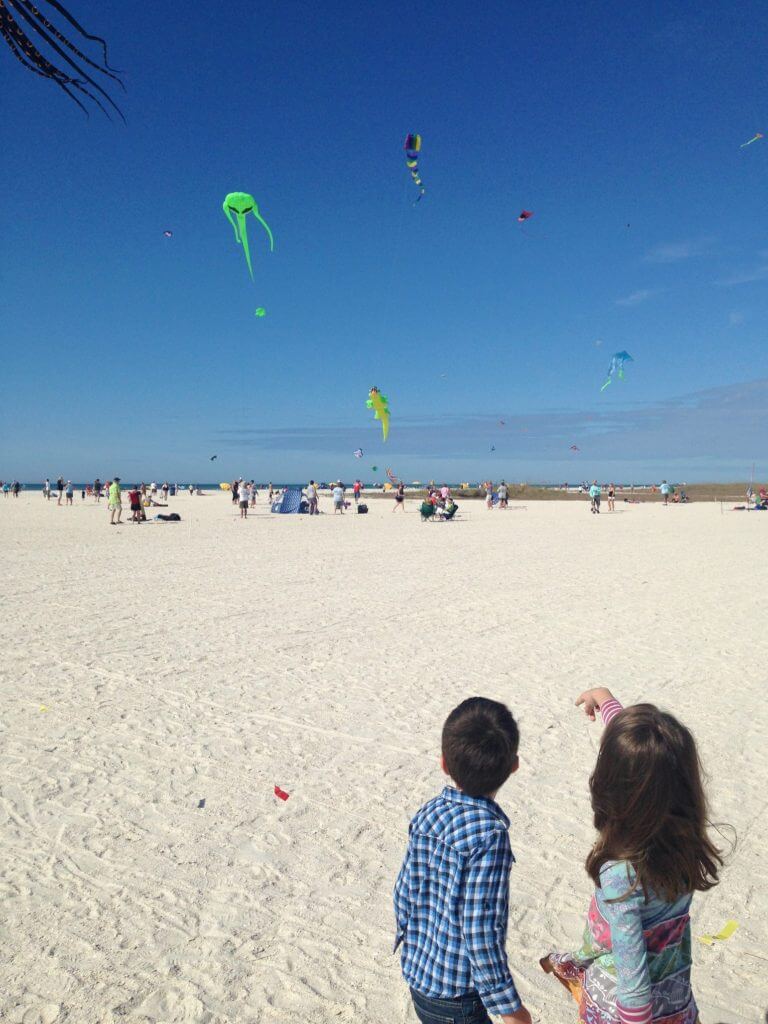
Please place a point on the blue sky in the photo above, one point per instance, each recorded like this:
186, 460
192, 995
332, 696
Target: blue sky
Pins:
618, 125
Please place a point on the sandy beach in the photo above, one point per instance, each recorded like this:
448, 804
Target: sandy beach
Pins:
160, 680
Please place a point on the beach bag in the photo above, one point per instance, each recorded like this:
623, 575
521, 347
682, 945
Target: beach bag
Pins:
362, 509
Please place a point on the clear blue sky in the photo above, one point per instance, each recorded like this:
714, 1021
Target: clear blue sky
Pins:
619, 125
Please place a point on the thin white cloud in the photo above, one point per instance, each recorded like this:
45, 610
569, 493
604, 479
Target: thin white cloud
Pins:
758, 273
636, 297
675, 252
736, 318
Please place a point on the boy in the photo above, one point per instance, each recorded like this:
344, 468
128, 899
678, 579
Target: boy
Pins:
452, 893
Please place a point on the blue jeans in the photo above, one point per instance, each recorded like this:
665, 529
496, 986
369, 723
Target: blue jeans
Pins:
467, 1009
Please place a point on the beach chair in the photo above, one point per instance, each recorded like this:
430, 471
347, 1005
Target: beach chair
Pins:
448, 515
427, 511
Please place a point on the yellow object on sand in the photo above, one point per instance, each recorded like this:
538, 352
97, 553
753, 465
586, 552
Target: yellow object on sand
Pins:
43, 707
225, 487
725, 933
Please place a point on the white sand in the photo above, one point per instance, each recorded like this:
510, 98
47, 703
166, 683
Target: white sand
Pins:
213, 659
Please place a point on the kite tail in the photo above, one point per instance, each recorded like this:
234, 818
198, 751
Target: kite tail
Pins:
606, 384
226, 210
385, 425
244, 240
264, 224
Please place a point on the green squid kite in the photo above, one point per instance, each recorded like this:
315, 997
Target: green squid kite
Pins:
240, 203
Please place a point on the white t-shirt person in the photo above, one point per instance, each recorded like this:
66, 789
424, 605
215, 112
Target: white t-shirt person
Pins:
338, 495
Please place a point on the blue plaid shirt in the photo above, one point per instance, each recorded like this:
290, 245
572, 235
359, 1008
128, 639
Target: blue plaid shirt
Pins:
452, 901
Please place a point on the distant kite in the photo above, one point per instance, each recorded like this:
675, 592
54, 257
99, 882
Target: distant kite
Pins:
392, 477
213, 458
358, 453
575, 448
375, 469
260, 312
412, 149
502, 423
25, 51
617, 367
493, 447
380, 404
524, 215
240, 204
755, 137
168, 234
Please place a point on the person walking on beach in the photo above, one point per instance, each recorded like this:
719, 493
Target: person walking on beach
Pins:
665, 488
488, 494
115, 502
503, 495
312, 497
611, 498
60, 488
165, 492
356, 488
16, 487
594, 495
97, 489
47, 489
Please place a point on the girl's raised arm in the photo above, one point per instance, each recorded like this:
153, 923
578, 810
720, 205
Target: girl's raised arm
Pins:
599, 699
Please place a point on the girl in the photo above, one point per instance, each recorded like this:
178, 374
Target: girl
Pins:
651, 854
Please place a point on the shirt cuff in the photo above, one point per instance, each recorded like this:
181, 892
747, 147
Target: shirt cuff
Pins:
609, 710
635, 1014
504, 1000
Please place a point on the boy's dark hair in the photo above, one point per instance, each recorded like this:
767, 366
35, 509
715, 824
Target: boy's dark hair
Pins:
480, 740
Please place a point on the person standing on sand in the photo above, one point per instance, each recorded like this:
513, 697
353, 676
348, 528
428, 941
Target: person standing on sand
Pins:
356, 488
312, 497
594, 495
60, 488
134, 497
69, 492
488, 494
165, 492
338, 498
611, 498
47, 489
97, 489
400, 497
16, 488
115, 502
243, 501
503, 495
665, 491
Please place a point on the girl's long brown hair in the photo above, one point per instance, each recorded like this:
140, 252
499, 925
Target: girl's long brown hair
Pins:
649, 804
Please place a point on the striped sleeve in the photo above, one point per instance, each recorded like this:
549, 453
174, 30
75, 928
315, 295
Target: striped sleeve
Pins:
610, 709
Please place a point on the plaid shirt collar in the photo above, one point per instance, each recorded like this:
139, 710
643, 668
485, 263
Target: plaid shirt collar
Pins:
480, 803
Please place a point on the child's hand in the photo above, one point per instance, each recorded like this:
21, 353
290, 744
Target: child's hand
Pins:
593, 700
520, 1017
